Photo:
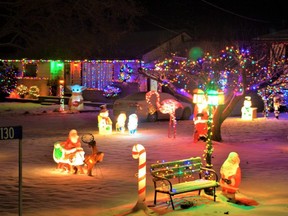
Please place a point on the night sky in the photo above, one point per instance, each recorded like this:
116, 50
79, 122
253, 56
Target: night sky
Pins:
210, 20
220, 18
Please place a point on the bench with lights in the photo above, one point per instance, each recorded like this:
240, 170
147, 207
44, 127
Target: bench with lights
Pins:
182, 176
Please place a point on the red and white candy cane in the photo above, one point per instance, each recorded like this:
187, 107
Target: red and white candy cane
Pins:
138, 151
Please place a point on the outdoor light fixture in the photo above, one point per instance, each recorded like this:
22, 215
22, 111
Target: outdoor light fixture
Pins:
212, 98
198, 96
215, 98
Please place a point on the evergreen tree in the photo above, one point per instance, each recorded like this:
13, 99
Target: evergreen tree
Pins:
8, 79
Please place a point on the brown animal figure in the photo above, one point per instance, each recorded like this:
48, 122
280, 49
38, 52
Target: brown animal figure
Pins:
95, 157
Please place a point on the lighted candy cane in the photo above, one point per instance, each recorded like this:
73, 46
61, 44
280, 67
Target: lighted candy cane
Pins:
138, 151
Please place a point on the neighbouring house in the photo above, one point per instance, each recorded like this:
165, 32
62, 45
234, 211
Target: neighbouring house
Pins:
118, 68
278, 43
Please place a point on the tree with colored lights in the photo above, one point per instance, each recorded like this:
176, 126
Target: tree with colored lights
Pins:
245, 72
237, 71
8, 79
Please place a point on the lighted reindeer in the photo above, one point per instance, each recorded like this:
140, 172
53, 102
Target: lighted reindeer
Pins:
95, 157
73, 159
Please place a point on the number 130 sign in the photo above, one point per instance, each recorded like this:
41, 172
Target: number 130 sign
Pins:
15, 132
7, 133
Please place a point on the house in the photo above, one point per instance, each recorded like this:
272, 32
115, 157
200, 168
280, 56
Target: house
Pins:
118, 67
278, 43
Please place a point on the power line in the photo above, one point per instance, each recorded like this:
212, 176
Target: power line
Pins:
235, 14
157, 25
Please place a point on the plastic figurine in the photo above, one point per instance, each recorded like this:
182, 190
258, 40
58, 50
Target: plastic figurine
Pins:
133, 123
246, 109
104, 121
95, 157
276, 104
200, 121
69, 153
76, 101
121, 121
230, 176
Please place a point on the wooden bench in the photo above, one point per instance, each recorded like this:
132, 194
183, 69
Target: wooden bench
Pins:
181, 176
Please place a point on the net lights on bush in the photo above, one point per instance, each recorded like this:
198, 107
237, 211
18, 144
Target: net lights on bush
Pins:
111, 91
22, 90
34, 91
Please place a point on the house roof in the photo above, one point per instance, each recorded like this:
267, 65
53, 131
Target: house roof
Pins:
278, 36
135, 44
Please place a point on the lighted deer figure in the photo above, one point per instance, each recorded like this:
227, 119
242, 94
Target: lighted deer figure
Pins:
168, 106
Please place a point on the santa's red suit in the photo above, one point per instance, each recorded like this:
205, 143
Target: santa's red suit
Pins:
230, 175
200, 121
73, 150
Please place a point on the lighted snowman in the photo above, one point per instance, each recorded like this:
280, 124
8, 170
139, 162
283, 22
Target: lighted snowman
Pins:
104, 121
246, 109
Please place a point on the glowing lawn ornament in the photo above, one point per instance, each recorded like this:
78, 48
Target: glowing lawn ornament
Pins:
95, 157
104, 121
14, 94
120, 124
70, 156
133, 124
200, 121
230, 176
139, 152
276, 105
69, 153
168, 106
247, 112
76, 100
